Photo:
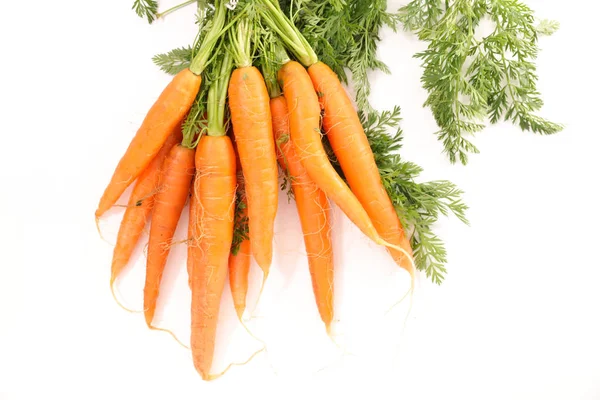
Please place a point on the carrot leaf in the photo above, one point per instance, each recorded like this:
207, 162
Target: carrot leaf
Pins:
175, 60
146, 9
470, 76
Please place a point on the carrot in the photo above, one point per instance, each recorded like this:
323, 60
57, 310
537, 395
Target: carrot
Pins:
139, 208
215, 190
313, 209
167, 112
170, 200
239, 259
165, 115
351, 147
251, 118
306, 136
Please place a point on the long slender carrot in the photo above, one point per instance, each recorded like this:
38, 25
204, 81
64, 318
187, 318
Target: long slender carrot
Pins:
170, 200
164, 116
139, 207
167, 112
215, 190
251, 118
240, 258
351, 147
215, 187
313, 209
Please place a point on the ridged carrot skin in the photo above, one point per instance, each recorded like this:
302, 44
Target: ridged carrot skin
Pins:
167, 112
305, 130
251, 118
139, 207
351, 147
215, 187
313, 210
192, 244
174, 189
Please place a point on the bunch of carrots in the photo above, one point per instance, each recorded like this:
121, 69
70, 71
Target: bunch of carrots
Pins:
256, 122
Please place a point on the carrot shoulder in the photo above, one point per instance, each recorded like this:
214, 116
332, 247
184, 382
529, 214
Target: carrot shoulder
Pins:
351, 147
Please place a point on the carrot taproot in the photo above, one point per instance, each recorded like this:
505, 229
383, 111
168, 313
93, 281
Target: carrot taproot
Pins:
165, 115
251, 119
313, 210
351, 147
215, 187
305, 130
139, 208
171, 198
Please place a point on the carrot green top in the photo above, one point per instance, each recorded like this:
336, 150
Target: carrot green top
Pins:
217, 96
287, 31
204, 56
273, 56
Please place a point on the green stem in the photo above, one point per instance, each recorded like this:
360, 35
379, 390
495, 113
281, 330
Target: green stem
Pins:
201, 60
274, 56
288, 33
173, 9
241, 39
217, 96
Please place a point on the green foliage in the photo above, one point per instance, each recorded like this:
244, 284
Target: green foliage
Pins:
146, 9
469, 79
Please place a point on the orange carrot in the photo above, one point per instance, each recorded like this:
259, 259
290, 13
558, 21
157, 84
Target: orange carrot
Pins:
239, 260
351, 147
139, 207
215, 186
251, 118
173, 193
305, 131
164, 116
313, 209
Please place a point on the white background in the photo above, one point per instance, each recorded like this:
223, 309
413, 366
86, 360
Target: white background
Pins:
517, 318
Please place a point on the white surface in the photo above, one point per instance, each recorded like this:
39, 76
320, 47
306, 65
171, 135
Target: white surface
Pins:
517, 317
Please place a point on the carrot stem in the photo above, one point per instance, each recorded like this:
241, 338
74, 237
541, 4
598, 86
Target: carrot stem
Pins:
175, 8
202, 59
241, 38
217, 96
288, 32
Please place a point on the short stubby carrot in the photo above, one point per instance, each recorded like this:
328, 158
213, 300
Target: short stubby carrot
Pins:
313, 210
215, 187
167, 112
174, 189
139, 207
305, 130
351, 147
251, 118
